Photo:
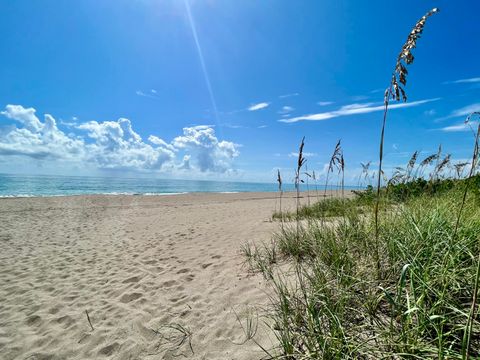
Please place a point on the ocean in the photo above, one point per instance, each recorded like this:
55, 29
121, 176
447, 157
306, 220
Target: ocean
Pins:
49, 185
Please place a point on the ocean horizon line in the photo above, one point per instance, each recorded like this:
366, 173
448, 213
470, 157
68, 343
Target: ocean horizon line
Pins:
16, 186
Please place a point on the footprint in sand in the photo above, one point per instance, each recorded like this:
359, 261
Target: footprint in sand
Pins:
109, 349
133, 279
33, 320
130, 297
169, 283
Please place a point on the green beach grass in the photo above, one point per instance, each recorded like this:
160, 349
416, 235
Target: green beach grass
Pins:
329, 302
390, 273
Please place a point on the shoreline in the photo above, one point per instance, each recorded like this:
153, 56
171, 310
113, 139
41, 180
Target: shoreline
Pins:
289, 193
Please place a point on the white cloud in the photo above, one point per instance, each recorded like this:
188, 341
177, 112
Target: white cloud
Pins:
150, 94
325, 103
288, 95
359, 97
460, 127
185, 165
233, 126
464, 81
353, 109
461, 112
117, 145
258, 106
112, 145
467, 110
157, 141
26, 116
207, 151
36, 139
307, 154
286, 110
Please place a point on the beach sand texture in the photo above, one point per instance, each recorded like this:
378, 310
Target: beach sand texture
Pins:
136, 264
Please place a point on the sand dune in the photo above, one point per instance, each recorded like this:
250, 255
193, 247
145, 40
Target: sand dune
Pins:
141, 266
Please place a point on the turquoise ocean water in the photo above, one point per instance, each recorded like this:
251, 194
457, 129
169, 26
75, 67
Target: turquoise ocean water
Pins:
43, 185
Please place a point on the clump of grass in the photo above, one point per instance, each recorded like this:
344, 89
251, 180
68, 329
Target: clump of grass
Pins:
412, 295
472, 167
177, 336
330, 207
261, 259
333, 306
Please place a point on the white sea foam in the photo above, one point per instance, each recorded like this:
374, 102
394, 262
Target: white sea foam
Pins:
164, 194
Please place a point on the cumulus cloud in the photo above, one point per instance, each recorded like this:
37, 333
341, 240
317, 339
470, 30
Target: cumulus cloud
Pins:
207, 151
26, 116
117, 145
36, 139
352, 109
157, 141
113, 144
258, 106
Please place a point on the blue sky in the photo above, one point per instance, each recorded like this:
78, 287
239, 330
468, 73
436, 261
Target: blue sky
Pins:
140, 87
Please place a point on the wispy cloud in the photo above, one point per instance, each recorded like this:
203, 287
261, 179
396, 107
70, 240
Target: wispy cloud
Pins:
288, 95
461, 112
460, 127
286, 110
360, 97
295, 154
325, 103
233, 126
465, 110
258, 106
464, 81
150, 94
353, 109
262, 126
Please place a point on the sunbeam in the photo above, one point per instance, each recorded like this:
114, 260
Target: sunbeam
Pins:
202, 61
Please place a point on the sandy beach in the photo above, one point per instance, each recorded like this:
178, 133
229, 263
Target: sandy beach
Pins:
143, 267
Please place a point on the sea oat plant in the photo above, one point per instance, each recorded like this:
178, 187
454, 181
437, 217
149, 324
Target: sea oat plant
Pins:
335, 162
300, 162
396, 92
280, 190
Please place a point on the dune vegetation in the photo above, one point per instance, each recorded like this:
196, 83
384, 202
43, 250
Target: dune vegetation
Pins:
387, 272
